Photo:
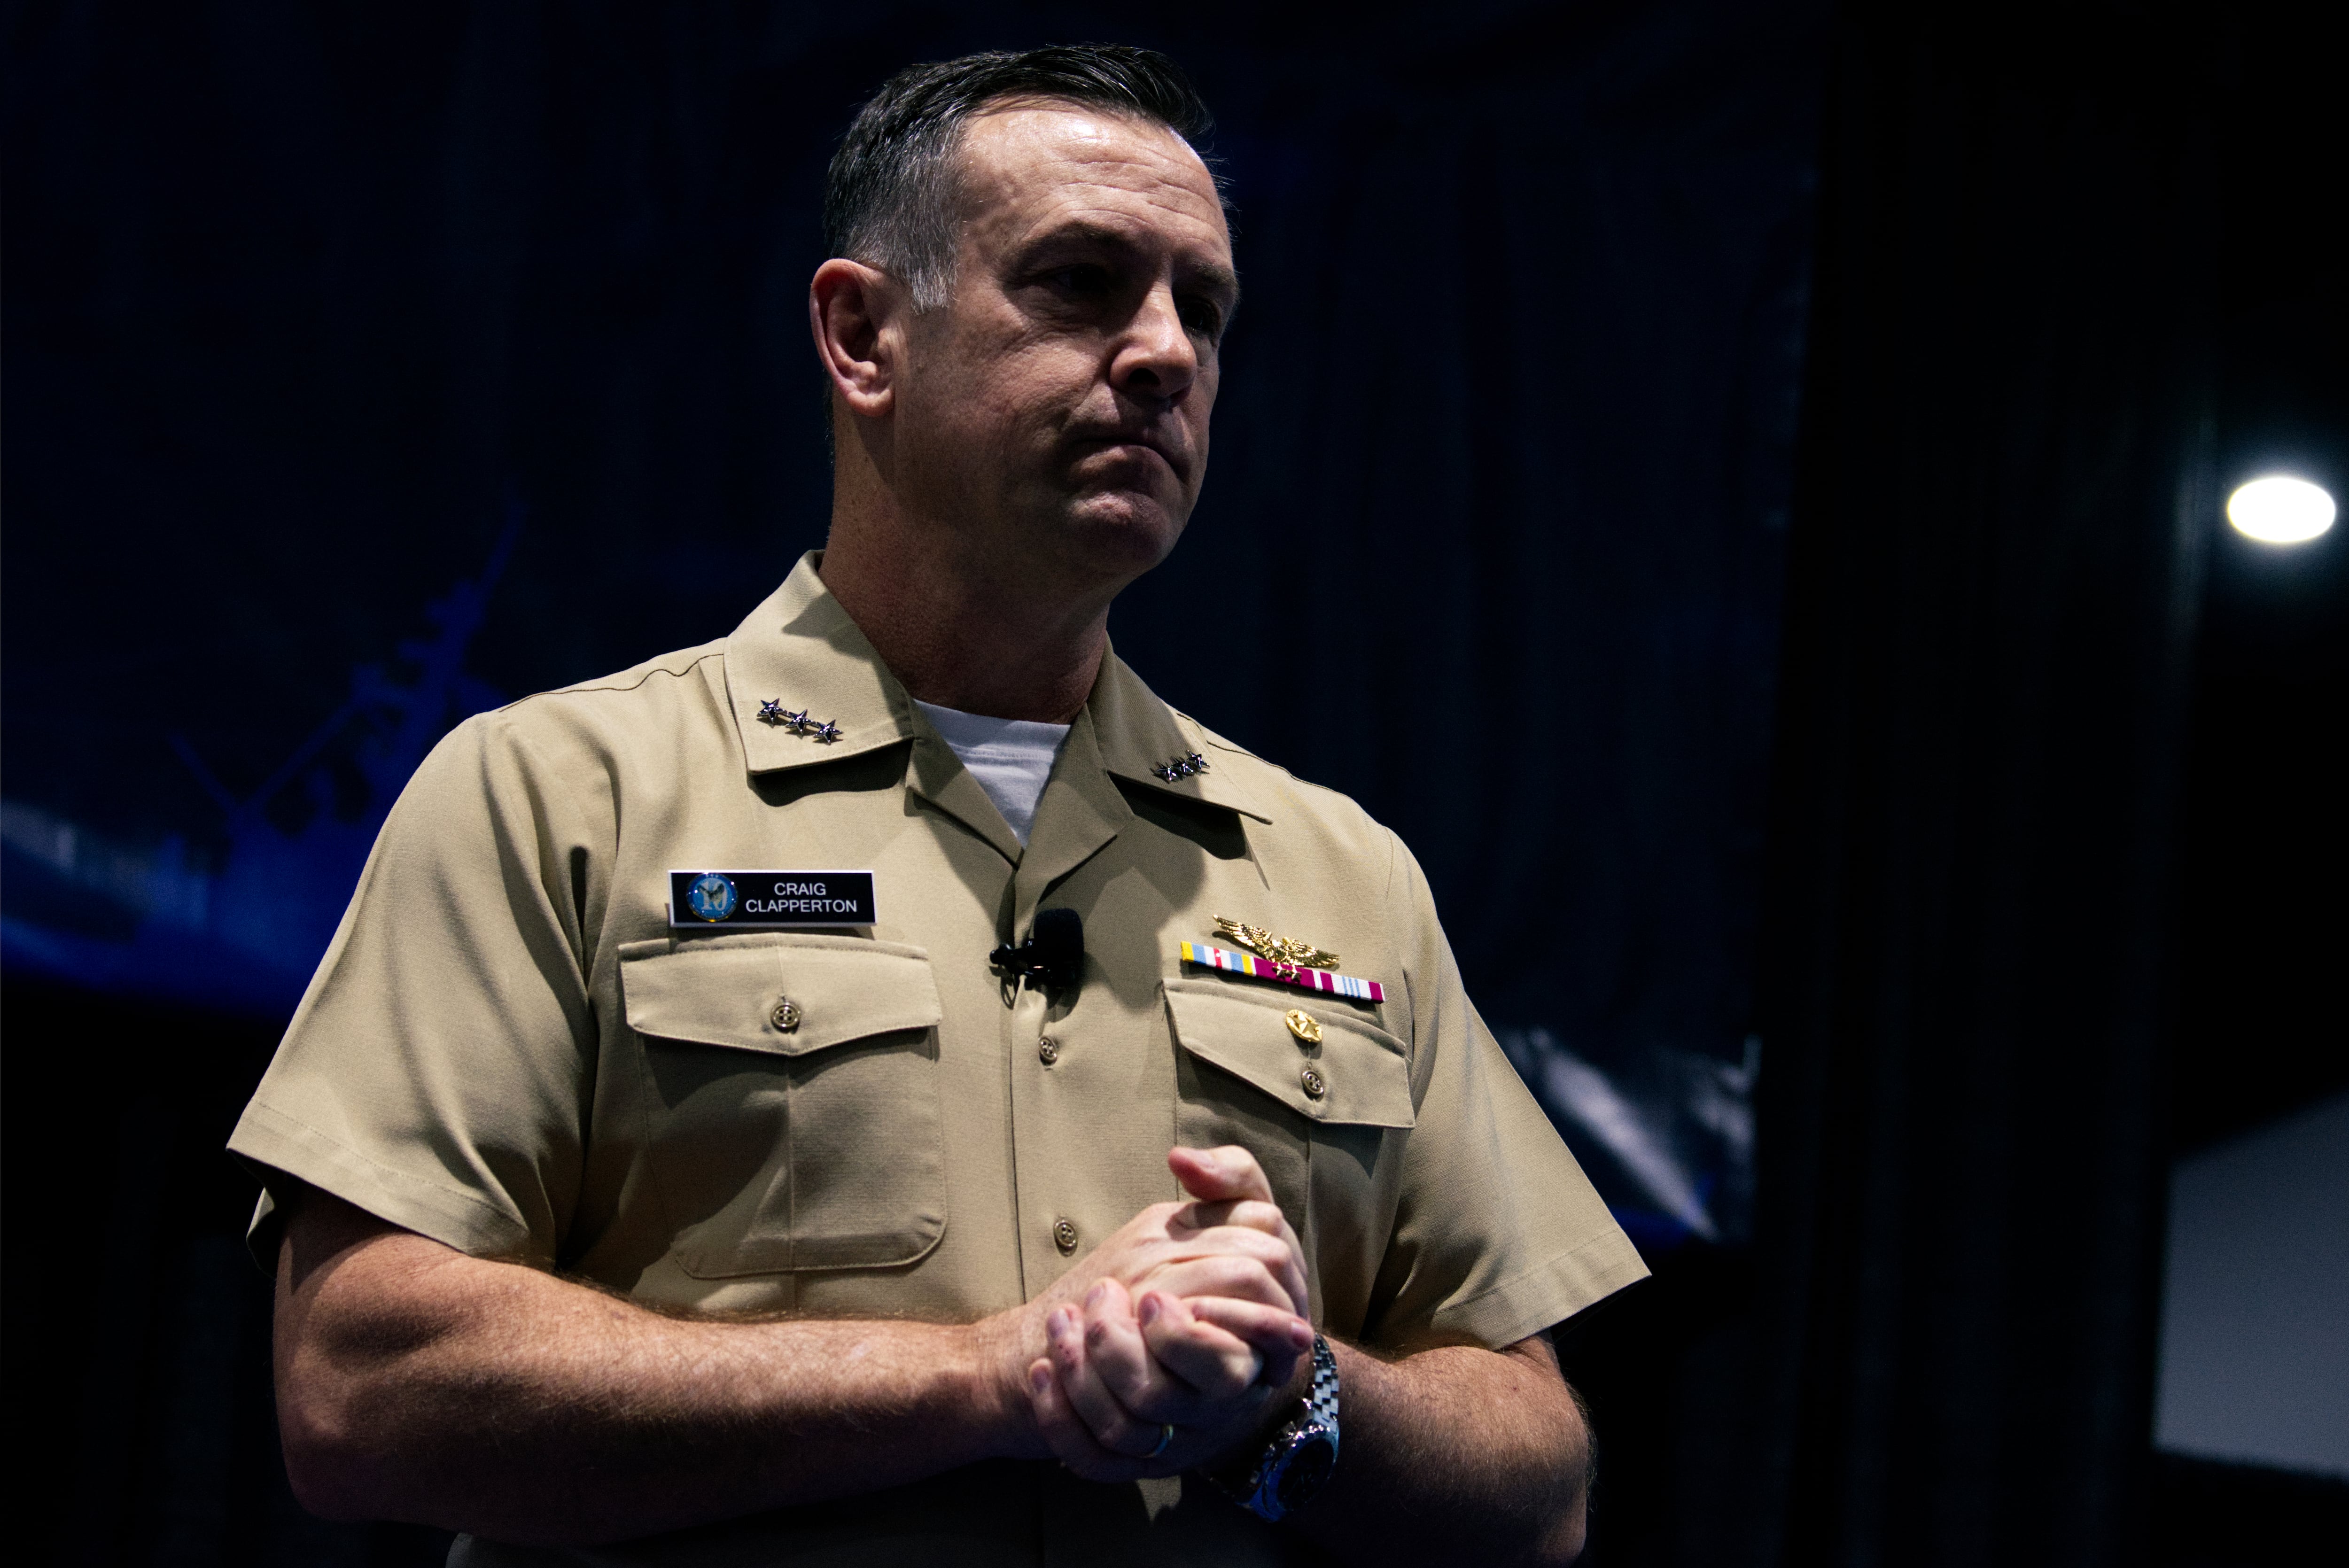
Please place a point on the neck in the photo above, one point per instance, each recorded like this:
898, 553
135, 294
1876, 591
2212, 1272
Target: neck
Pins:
962, 626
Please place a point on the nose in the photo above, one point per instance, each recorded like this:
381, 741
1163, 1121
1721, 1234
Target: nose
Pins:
1155, 357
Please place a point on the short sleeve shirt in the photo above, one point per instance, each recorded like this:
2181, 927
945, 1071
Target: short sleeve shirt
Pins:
511, 1048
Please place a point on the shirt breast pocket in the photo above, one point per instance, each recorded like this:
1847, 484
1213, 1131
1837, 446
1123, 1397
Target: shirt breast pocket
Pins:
793, 1106
1316, 1112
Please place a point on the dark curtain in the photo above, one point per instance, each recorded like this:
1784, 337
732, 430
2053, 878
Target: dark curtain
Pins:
2002, 499
308, 305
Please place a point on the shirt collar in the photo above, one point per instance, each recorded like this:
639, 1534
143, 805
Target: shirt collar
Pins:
799, 650
1138, 733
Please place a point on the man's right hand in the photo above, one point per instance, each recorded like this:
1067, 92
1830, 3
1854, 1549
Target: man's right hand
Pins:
1219, 1283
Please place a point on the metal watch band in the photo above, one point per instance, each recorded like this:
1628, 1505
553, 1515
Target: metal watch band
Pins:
1299, 1460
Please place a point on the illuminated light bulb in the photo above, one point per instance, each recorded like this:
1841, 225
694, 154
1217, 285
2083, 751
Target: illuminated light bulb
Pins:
2279, 510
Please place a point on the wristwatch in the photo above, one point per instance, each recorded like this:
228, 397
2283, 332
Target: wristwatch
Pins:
1297, 1463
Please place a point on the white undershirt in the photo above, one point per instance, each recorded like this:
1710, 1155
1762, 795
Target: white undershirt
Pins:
1010, 757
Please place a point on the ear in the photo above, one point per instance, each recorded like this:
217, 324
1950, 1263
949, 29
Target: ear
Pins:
857, 315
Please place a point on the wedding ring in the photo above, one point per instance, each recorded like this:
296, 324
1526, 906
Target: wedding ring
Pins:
1165, 1441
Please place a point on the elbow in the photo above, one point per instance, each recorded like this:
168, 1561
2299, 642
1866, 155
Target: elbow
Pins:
1562, 1529
1550, 1531
1562, 1541
330, 1466
1566, 1531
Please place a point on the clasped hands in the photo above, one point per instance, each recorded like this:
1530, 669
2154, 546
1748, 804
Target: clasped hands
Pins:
1190, 1316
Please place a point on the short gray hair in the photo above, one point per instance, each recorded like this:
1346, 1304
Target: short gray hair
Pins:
888, 197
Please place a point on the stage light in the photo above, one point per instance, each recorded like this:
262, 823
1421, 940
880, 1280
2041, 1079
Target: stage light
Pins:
2279, 511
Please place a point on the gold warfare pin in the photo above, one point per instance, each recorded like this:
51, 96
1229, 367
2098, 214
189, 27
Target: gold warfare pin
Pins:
1280, 949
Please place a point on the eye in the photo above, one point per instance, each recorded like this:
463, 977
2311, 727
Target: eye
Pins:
1086, 280
1203, 315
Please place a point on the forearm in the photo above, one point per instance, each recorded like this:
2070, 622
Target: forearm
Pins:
417, 1383
1456, 1454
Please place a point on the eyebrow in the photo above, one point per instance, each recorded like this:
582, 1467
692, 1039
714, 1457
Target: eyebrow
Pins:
1216, 277
1225, 283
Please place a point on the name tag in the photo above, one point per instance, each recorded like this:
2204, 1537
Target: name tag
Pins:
697, 899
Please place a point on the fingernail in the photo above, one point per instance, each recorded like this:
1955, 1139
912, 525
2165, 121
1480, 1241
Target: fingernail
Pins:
1099, 1294
1150, 1310
1040, 1378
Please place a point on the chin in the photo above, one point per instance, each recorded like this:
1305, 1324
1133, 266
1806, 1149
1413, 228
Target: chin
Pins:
1124, 534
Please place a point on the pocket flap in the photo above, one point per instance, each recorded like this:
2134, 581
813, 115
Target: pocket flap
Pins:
730, 991
1362, 1072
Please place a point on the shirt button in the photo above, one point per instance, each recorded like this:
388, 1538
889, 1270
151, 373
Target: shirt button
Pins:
1316, 1085
1047, 1050
1064, 1235
786, 1016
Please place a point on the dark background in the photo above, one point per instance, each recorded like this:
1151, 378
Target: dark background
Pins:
1735, 487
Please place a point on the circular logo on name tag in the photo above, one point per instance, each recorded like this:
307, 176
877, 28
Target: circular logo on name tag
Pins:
711, 896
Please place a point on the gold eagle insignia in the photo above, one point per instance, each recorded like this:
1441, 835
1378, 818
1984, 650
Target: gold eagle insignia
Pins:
1280, 949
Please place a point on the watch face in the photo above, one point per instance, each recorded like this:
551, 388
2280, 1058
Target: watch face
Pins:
1309, 1464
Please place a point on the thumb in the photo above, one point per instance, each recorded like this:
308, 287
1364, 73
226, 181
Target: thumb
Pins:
1220, 1175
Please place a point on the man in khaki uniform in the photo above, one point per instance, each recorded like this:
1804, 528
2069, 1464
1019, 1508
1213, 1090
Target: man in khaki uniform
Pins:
630, 1210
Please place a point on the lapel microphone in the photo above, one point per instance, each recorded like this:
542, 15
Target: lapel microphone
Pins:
1054, 953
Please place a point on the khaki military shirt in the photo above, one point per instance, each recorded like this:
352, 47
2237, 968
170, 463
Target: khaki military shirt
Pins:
508, 1048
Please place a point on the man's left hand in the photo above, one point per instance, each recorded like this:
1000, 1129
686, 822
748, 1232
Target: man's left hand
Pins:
1123, 1372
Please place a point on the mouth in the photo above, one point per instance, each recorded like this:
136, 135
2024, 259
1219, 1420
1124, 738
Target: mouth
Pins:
1133, 447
